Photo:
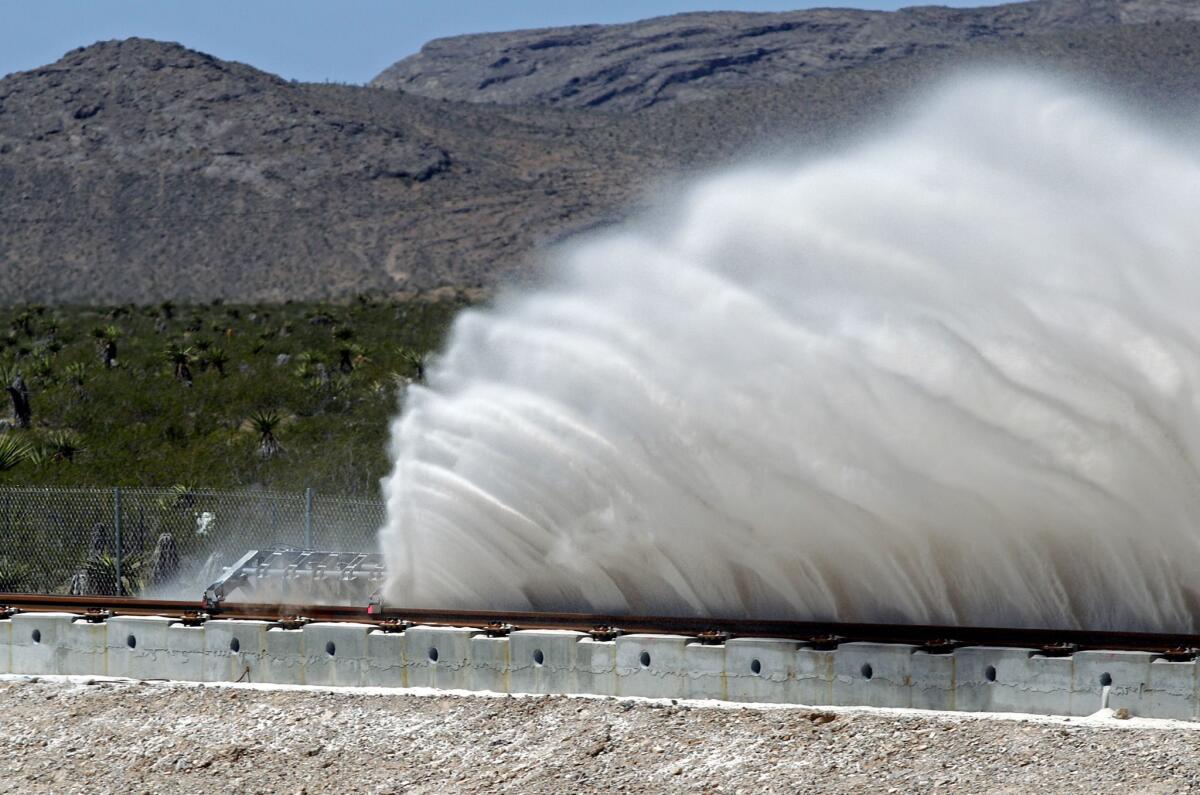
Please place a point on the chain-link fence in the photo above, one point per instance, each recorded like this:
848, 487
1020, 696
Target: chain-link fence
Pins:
162, 543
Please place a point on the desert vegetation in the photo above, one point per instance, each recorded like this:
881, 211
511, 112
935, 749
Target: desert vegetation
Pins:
276, 396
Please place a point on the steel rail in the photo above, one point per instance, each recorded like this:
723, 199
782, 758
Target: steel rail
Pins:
818, 633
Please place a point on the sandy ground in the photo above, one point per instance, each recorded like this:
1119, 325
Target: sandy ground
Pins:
67, 735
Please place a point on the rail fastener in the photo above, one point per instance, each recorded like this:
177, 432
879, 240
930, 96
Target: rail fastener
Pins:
1180, 654
823, 642
940, 646
604, 632
712, 637
193, 618
97, 615
292, 622
497, 629
1058, 649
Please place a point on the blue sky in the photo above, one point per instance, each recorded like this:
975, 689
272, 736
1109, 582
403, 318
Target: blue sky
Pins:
309, 40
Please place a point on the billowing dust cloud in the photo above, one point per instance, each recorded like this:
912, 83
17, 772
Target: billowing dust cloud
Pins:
950, 375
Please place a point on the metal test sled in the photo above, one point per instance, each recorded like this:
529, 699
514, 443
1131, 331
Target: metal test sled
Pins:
299, 577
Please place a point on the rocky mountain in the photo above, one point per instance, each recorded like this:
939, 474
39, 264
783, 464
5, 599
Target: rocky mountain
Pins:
689, 57
136, 169
140, 171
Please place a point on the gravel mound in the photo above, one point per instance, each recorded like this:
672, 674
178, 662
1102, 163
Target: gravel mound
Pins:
117, 736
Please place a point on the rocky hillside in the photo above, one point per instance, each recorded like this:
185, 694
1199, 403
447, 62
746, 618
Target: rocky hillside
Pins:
136, 170
688, 57
140, 171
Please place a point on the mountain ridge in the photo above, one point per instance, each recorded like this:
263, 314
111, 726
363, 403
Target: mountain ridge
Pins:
141, 171
697, 55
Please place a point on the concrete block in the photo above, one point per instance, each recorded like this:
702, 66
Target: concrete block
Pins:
86, 652
873, 674
652, 665
138, 647
335, 654
1124, 674
439, 657
185, 651
284, 663
991, 679
38, 642
1170, 691
544, 661
489, 664
813, 679
234, 650
385, 659
705, 666
596, 666
759, 669
6, 627
933, 681
1046, 689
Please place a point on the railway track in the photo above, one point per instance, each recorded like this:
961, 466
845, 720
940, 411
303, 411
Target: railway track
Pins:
820, 634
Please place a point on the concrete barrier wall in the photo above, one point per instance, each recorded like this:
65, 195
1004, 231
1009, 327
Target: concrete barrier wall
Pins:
972, 678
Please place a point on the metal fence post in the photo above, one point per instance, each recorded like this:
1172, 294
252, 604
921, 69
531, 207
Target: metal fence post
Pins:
120, 547
308, 531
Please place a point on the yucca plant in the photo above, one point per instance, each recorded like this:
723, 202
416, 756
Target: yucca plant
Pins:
180, 497
337, 385
42, 368
13, 450
63, 447
106, 339
415, 361
23, 323
15, 576
264, 338
180, 358
163, 564
308, 366
18, 392
98, 577
265, 423
218, 358
349, 356
76, 373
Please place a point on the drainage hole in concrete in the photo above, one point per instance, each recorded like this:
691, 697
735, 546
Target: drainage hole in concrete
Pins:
37, 636
989, 673
866, 671
330, 648
131, 642
235, 645
1105, 679
538, 657
433, 654
644, 659
755, 667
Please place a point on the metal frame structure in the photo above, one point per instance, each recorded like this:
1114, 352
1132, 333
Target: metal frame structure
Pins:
299, 576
